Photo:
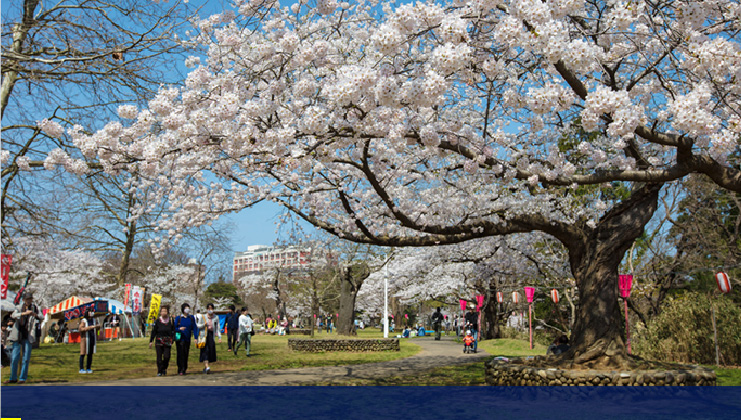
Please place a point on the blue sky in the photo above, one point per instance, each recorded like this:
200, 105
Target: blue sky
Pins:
257, 226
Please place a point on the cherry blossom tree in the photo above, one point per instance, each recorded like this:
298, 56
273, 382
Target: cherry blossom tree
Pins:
441, 122
462, 271
57, 274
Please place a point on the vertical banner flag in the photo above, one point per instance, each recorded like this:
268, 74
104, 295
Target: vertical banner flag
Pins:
463, 305
479, 302
127, 294
7, 259
154, 308
136, 297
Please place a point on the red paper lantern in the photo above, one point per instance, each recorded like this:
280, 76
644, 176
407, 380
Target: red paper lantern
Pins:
724, 283
500, 297
515, 297
554, 295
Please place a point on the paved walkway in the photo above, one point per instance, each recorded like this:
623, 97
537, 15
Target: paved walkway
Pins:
434, 354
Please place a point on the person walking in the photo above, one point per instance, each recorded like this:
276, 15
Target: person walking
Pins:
185, 327
22, 337
232, 327
88, 331
163, 332
437, 320
245, 331
472, 323
211, 328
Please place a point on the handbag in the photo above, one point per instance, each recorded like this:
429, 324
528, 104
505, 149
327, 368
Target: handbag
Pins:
201, 342
178, 334
164, 341
252, 332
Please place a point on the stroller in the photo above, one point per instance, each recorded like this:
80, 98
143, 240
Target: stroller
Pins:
468, 341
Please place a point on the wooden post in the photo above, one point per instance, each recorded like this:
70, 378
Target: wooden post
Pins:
715, 335
627, 326
530, 320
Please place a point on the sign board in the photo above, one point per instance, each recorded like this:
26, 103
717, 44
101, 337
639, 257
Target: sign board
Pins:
154, 308
97, 306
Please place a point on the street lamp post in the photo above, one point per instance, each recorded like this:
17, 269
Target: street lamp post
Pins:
386, 303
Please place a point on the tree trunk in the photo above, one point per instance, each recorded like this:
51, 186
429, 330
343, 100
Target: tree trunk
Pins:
491, 316
597, 338
123, 269
351, 279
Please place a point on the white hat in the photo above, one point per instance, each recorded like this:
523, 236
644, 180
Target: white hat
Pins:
468, 332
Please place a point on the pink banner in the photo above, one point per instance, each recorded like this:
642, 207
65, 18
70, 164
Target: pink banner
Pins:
479, 302
6, 261
463, 304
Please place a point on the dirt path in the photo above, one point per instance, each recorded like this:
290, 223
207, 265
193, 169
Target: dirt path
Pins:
434, 354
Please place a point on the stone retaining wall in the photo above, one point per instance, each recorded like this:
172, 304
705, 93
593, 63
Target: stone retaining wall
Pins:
500, 373
384, 344
299, 331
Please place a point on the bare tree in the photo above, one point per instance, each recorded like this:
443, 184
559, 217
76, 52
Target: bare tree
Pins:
73, 60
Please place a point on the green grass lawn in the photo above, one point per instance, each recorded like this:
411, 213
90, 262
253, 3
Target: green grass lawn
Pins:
58, 363
727, 376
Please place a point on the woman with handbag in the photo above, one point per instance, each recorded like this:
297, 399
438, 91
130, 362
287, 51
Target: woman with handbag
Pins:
163, 332
211, 327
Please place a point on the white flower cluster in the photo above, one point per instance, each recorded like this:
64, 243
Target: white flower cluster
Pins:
450, 57
623, 14
326, 7
128, 112
550, 98
51, 128
453, 29
692, 112
387, 39
604, 100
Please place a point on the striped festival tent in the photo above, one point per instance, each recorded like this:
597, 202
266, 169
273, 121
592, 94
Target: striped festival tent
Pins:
67, 304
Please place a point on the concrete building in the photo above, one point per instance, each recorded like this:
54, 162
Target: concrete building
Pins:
258, 258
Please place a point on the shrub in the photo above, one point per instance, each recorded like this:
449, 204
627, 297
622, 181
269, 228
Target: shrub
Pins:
683, 332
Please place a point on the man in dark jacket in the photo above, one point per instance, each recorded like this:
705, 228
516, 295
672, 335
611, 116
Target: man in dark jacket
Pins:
437, 320
472, 323
232, 327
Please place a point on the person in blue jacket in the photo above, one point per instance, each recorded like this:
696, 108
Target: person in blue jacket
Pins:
185, 325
